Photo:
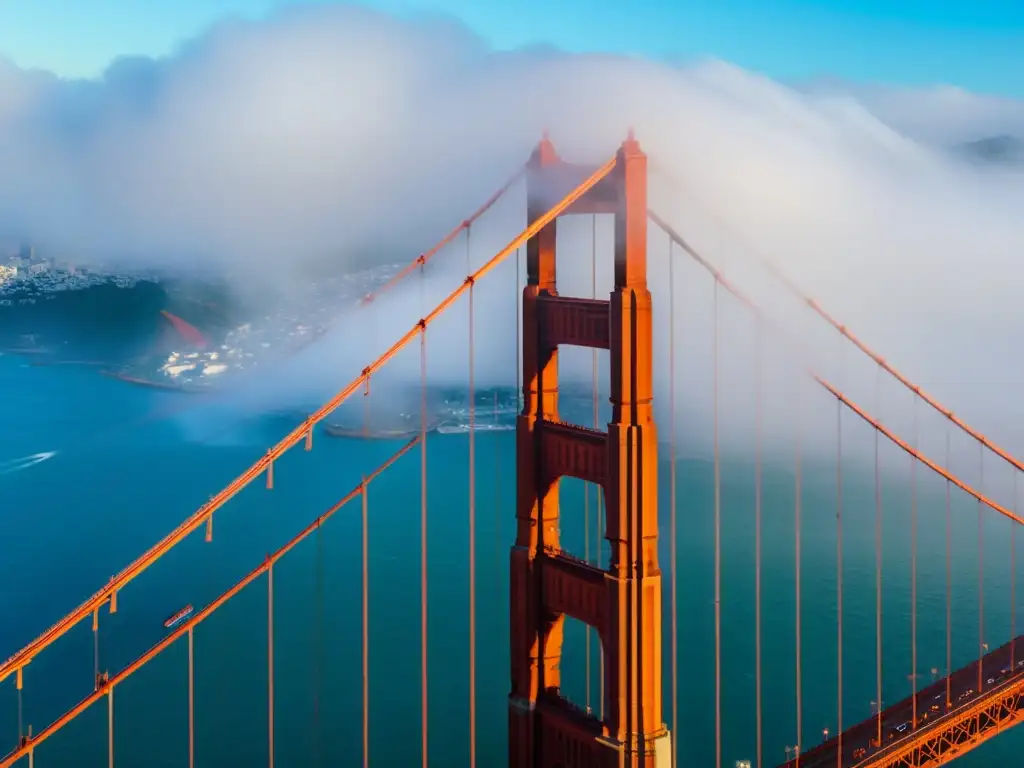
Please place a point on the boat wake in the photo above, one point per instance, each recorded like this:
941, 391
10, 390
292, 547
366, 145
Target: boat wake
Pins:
17, 465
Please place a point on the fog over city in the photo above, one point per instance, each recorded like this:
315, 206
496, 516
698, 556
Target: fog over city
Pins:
334, 139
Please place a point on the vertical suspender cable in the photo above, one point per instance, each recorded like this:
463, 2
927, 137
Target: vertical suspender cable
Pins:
270, 666
586, 486
1013, 581
366, 388
839, 583
672, 497
20, 683
519, 353
472, 537
191, 700
757, 537
797, 503
949, 586
110, 727
423, 544
586, 630
599, 491
96, 647
718, 546
497, 498
878, 571
366, 408
372, 309
423, 288
318, 643
981, 568
913, 574
878, 596
366, 626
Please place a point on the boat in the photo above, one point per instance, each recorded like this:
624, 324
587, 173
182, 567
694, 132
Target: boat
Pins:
178, 617
338, 430
462, 429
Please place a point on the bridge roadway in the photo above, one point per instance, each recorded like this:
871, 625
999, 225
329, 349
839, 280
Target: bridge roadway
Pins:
931, 710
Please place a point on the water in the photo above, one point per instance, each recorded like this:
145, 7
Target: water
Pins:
114, 480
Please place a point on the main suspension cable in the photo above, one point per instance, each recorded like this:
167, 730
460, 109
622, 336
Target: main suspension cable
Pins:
863, 347
30, 744
260, 467
421, 260
856, 409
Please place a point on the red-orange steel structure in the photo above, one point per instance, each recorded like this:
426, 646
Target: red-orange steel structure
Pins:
623, 603
108, 594
945, 729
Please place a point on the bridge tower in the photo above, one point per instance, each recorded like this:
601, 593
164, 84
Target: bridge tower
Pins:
623, 603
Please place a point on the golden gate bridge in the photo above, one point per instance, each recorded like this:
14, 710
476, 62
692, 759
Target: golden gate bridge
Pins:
626, 722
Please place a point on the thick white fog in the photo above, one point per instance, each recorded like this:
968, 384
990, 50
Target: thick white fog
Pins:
346, 136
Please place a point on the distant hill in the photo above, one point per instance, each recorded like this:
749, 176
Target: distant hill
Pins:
998, 150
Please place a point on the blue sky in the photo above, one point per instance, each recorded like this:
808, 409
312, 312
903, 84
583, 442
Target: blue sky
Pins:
976, 44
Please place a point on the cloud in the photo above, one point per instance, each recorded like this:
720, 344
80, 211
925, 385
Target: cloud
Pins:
939, 115
343, 136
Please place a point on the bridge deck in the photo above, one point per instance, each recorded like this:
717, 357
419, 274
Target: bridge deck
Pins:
972, 717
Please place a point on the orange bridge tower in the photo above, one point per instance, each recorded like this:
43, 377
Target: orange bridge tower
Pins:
623, 603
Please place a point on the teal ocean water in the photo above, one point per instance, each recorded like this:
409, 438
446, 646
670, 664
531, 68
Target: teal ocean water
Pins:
119, 479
